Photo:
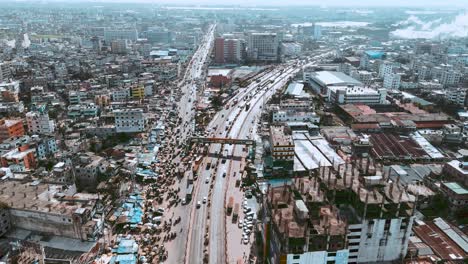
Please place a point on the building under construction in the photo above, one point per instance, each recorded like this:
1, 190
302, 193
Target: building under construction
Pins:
351, 211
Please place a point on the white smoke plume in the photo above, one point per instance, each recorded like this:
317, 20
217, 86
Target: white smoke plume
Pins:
435, 29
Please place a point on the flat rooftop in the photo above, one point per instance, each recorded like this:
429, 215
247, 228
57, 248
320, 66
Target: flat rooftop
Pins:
331, 78
44, 197
279, 138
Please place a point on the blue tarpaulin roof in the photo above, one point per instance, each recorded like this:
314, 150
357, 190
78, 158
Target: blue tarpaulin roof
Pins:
375, 54
124, 259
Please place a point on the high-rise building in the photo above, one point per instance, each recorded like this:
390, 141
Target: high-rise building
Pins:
263, 46
5, 73
159, 36
385, 68
113, 34
313, 31
119, 46
450, 78
228, 50
392, 81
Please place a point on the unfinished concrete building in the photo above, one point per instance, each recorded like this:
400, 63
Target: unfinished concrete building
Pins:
300, 228
379, 212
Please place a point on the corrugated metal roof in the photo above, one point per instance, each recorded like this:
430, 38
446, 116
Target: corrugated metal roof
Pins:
334, 78
462, 242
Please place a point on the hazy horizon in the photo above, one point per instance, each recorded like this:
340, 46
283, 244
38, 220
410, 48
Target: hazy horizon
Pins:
357, 3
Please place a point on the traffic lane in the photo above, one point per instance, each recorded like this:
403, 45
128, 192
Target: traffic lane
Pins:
200, 216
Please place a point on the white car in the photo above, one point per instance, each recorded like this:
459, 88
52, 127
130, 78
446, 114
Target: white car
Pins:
240, 224
246, 241
205, 199
207, 180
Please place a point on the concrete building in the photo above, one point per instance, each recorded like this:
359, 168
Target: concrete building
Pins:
39, 122
356, 95
299, 229
290, 49
228, 50
19, 159
5, 222
392, 81
129, 120
121, 94
119, 46
52, 209
457, 171
320, 81
282, 145
263, 46
456, 96
162, 36
363, 76
85, 110
313, 31
450, 78
11, 128
5, 73
114, 34
10, 91
88, 167
284, 116
456, 194
385, 68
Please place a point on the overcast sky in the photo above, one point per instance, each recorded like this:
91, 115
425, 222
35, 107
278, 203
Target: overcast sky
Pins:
420, 3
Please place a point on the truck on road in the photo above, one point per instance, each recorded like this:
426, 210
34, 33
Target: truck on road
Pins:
229, 206
235, 214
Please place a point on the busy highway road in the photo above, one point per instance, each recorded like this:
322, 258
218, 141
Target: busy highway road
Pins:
208, 221
192, 82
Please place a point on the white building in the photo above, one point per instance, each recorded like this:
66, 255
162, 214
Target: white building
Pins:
379, 240
356, 95
120, 94
450, 78
291, 49
129, 120
263, 46
392, 81
39, 122
320, 81
363, 76
282, 116
385, 68
113, 34
456, 96
319, 257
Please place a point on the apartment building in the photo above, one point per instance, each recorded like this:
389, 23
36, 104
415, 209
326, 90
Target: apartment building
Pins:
11, 128
263, 46
114, 34
129, 120
5, 73
39, 122
282, 145
392, 81
228, 50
